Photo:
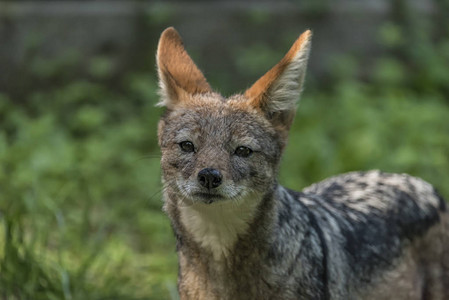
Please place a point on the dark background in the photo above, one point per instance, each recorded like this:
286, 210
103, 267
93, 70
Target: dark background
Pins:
80, 193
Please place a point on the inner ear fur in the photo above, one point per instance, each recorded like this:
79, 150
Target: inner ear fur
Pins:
179, 77
277, 92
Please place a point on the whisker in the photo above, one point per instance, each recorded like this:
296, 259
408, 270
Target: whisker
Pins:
182, 196
159, 191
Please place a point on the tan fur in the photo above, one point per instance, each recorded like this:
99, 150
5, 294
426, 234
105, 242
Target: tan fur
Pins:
193, 285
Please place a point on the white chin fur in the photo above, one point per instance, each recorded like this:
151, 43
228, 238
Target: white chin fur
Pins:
217, 226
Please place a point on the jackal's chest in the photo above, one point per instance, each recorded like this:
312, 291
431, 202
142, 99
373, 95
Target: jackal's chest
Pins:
217, 227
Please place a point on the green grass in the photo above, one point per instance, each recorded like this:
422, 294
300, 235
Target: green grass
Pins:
81, 207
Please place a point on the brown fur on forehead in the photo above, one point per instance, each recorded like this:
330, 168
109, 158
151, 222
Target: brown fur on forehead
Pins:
212, 117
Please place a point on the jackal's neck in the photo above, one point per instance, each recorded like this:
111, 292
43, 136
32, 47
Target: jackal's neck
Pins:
216, 228
218, 245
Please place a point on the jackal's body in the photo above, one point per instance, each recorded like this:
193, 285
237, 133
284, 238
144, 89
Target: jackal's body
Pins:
240, 235
366, 235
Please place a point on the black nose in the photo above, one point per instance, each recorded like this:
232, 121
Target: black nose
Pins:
209, 178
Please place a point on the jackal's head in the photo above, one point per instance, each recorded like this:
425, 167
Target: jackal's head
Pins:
214, 148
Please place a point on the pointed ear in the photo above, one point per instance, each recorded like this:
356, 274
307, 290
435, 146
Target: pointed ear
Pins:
277, 92
179, 77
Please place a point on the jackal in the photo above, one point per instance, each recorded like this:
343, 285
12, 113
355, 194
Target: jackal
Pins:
241, 235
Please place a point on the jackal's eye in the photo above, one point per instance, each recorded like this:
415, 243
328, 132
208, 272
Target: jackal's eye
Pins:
187, 146
243, 151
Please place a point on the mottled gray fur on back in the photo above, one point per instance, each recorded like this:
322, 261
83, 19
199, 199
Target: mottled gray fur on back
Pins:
368, 219
241, 235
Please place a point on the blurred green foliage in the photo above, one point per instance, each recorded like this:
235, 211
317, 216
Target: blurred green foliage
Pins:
80, 201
